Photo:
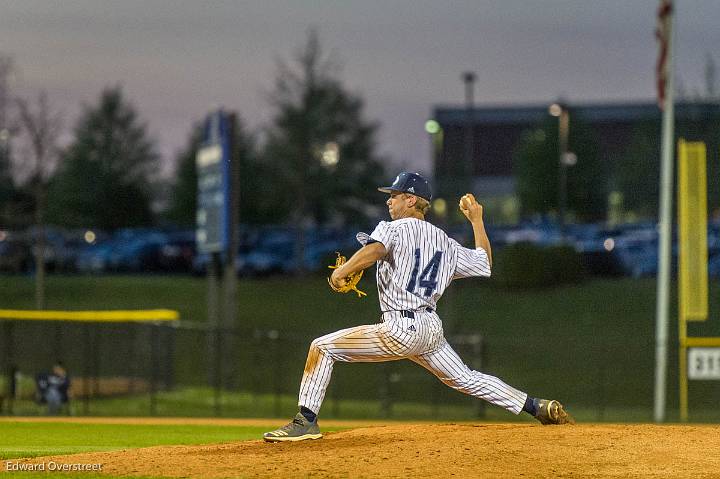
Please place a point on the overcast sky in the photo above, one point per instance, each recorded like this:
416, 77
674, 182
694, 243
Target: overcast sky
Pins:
177, 59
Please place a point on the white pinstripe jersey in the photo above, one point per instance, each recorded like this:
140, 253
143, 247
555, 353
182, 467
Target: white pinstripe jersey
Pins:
421, 262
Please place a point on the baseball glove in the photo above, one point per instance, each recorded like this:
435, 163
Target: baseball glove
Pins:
352, 280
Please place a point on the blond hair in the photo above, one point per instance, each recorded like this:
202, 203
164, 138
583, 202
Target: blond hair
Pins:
422, 205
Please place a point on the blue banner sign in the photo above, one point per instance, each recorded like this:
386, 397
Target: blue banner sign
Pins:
214, 185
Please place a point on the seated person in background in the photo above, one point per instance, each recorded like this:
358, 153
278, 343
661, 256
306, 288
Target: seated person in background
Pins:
53, 388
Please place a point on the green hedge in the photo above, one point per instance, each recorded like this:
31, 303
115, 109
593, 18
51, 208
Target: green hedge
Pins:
530, 266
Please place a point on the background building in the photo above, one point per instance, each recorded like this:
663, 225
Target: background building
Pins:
478, 148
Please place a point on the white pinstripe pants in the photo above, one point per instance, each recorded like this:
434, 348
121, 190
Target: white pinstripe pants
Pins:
420, 339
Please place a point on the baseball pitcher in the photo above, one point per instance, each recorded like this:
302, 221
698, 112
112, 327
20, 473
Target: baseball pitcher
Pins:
416, 261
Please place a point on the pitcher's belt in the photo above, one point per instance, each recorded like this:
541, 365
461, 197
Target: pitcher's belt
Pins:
408, 313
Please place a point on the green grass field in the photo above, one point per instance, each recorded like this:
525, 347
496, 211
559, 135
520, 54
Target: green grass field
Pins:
591, 344
34, 439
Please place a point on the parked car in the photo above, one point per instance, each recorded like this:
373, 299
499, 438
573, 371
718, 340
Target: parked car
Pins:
94, 258
276, 251
66, 256
138, 254
271, 250
637, 257
273, 253
178, 253
714, 266
15, 255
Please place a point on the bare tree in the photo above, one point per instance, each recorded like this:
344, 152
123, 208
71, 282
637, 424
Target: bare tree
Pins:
6, 181
39, 128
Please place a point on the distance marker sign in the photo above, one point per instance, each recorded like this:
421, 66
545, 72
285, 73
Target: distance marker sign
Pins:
704, 363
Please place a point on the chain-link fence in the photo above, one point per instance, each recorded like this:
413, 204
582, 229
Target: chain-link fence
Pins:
157, 362
188, 369
102, 360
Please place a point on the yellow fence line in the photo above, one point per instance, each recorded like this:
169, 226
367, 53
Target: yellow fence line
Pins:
707, 342
116, 316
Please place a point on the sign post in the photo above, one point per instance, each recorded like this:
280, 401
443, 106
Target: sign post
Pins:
699, 358
216, 233
215, 171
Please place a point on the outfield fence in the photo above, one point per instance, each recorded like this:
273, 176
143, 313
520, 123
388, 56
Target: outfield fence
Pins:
147, 359
106, 353
183, 368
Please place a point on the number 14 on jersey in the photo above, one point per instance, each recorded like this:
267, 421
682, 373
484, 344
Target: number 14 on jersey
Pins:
428, 277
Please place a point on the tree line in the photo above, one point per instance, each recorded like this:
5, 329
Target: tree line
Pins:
317, 161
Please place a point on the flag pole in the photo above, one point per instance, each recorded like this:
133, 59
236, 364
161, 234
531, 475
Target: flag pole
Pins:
665, 219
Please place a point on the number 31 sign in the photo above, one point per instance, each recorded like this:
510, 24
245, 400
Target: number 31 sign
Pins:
704, 363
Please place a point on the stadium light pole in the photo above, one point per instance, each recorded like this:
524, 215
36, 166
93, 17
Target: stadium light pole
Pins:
560, 111
435, 130
468, 79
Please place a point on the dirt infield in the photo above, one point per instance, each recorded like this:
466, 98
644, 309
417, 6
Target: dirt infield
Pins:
439, 450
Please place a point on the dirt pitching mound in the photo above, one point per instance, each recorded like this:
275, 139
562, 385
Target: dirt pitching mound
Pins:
439, 450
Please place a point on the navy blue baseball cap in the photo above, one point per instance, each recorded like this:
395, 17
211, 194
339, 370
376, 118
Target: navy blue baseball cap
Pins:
412, 183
